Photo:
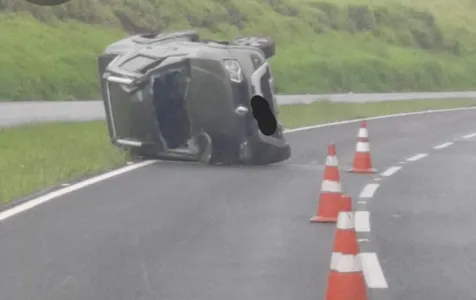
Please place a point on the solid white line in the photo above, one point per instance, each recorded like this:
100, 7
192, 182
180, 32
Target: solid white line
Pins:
362, 221
390, 171
379, 117
443, 145
417, 157
47, 197
372, 271
50, 196
468, 136
369, 190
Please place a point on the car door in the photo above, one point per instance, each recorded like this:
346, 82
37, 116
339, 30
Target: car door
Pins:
129, 105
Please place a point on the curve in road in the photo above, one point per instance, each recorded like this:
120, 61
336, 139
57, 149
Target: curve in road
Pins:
184, 231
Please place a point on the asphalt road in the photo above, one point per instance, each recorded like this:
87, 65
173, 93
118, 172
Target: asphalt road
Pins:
424, 222
186, 231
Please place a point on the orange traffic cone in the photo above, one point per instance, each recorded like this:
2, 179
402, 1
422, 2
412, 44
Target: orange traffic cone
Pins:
362, 158
331, 190
346, 203
346, 236
346, 278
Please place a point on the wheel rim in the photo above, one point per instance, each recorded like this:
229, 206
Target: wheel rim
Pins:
205, 143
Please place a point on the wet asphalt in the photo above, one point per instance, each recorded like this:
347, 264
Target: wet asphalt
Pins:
187, 231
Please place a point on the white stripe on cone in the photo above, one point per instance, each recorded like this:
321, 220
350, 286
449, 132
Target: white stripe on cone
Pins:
363, 133
332, 161
362, 147
345, 220
346, 263
331, 186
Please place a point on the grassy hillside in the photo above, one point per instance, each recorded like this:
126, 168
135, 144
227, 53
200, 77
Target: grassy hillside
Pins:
323, 46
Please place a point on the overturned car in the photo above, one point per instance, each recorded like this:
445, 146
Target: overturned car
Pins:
175, 96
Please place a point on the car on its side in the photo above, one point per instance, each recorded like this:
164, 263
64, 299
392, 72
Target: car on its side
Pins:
175, 96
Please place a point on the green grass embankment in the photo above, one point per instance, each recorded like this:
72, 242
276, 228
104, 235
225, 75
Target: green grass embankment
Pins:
323, 46
46, 154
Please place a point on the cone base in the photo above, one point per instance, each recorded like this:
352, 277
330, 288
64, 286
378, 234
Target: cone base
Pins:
362, 171
319, 219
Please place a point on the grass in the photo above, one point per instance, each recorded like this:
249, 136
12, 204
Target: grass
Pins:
46, 154
38, 156
323, 46
299, 115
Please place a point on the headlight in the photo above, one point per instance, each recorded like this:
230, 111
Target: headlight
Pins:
234, 70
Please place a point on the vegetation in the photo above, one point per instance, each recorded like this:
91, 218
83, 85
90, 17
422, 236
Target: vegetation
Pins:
323, 45
64, 151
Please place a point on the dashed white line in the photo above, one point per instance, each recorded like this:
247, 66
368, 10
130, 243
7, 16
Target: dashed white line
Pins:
390, 171
361, 202
468, 136
417, 157
443, 145
369, 190
373, 271
362, 221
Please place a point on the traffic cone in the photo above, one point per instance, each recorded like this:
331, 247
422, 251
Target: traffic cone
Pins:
362, 159
346, 203
346, 237
331, 190
346, 278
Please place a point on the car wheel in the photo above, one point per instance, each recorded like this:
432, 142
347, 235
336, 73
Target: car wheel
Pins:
204, 143
266, 44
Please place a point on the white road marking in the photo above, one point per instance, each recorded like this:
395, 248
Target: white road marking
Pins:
362, 221
377, 179
362, 202
372, 271
379, 117
74, 187
47, 197
369, 190
443, 145
390, 171
362, 240
468, 136
417, 157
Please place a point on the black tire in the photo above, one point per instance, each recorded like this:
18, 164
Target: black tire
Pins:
266, 44
205, 144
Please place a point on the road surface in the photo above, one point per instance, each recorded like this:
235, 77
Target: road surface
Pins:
423, 219
187, 231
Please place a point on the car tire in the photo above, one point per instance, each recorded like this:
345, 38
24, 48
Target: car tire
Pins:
205, 145
266, 44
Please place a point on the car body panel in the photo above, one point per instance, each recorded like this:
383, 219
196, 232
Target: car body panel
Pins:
127, 73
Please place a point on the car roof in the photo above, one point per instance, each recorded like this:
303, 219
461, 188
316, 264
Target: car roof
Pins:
174, 46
